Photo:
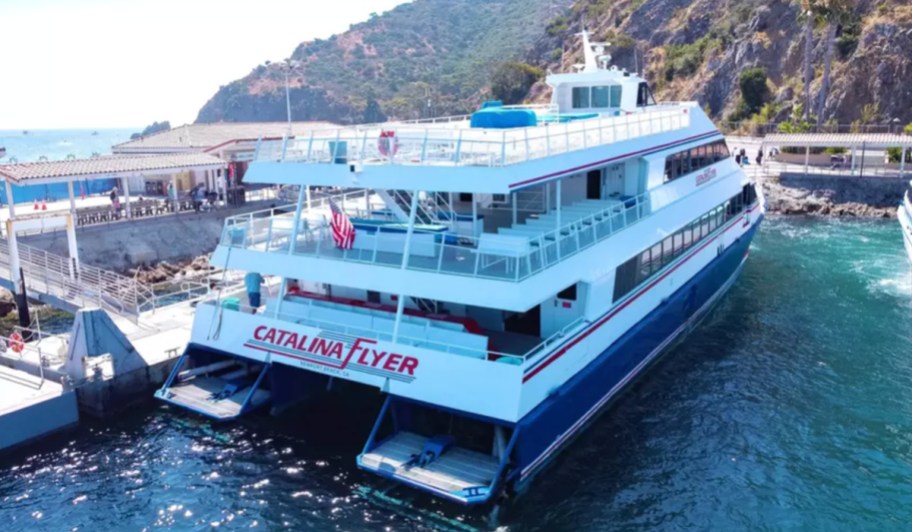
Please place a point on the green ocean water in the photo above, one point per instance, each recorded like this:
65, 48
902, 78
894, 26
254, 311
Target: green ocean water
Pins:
790, 408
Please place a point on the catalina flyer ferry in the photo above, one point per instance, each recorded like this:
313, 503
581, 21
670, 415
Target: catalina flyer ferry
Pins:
499, 277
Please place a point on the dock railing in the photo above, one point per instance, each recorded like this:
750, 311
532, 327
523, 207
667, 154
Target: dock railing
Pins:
460, 145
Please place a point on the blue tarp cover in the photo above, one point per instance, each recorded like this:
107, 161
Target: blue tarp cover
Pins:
500, 118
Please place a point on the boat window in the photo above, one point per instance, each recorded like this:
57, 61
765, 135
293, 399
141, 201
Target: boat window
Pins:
615, 96
600, 97
643, 95
568, 293
687, 161
649, 262
580, 97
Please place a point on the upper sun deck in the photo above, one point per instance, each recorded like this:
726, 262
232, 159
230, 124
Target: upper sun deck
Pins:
504, 159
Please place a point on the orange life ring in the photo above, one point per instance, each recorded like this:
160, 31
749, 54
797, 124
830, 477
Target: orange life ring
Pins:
16, 342
387, 143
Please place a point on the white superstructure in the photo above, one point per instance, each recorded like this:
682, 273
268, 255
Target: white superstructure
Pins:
500, 264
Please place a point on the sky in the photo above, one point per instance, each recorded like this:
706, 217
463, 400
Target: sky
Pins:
127, 63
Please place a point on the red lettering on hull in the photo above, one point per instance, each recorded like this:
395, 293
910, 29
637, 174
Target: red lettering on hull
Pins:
361, 351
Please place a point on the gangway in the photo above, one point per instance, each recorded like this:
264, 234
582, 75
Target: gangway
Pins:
50, 278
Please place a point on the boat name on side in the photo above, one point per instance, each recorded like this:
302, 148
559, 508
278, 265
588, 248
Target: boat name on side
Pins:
359, 352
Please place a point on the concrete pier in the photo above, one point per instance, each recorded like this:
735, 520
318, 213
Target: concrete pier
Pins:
32, 407
110, 362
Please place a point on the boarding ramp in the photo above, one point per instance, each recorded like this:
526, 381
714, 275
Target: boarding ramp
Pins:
217, 386
53, 279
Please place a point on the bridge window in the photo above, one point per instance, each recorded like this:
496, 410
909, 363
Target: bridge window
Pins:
601, 97
580, 97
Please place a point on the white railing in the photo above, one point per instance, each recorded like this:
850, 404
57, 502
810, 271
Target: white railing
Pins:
464, 146
271, 231
89, 285
383, 336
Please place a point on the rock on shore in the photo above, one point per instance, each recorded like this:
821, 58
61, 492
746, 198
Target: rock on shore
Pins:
165, 271
834, 195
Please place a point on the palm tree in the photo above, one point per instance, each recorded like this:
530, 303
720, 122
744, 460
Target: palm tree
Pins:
835, 12
808, 10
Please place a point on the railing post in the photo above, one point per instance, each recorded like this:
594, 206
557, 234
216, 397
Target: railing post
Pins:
284, 146
424, 146
459, 147
256, 152
526, 132
310, 147
548, 140
503, 148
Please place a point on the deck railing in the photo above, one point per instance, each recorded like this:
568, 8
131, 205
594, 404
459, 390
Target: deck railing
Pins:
424, 343
460, 145
272, 231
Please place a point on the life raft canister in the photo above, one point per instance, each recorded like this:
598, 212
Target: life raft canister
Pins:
16, 343
388, 144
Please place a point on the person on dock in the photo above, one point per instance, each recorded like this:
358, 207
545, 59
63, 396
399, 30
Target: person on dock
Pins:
252, 282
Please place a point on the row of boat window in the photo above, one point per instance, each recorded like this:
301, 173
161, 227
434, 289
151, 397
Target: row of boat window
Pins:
646, 264
687, 161
596, 97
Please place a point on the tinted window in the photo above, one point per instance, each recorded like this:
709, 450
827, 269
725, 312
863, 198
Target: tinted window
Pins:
580, 97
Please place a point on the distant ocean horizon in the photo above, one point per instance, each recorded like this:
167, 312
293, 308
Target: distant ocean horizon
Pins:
58, 145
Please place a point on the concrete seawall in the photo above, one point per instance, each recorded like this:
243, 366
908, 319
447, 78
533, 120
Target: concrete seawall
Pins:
122, 245
834, 195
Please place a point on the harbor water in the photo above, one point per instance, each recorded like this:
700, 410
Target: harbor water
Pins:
790, 407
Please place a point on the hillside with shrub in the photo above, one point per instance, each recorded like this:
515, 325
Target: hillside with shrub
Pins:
745, 60
424, 58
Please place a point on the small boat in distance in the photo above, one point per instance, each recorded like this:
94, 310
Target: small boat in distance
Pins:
2, 152
25, 132
904, 215
94, 133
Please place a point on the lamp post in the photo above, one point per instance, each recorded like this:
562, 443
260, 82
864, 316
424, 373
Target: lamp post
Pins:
287, 68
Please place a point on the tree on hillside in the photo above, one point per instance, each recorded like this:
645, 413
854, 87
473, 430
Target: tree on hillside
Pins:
511, 81
754, 90
809, 13
835, 12
373, 114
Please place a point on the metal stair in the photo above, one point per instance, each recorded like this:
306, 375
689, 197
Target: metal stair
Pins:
49, 274
428, 209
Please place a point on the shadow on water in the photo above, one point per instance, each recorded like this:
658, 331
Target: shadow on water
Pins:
789, 407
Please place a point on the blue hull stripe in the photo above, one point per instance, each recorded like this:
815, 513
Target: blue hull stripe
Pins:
547, 427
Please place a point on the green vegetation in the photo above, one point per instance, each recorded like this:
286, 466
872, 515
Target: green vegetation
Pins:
512, 81
754, 93
683, 60
444, 51
896, 153
154, 127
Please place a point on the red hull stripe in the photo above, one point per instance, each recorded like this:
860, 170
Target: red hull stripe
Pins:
560, 352
624, 156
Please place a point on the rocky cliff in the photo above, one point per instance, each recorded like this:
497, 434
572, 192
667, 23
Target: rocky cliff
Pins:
697, 50
436, 57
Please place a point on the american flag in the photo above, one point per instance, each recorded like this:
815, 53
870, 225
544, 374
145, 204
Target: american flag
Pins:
342, 229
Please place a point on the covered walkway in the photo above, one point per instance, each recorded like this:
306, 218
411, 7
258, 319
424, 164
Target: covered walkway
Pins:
63, 281
856, 144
